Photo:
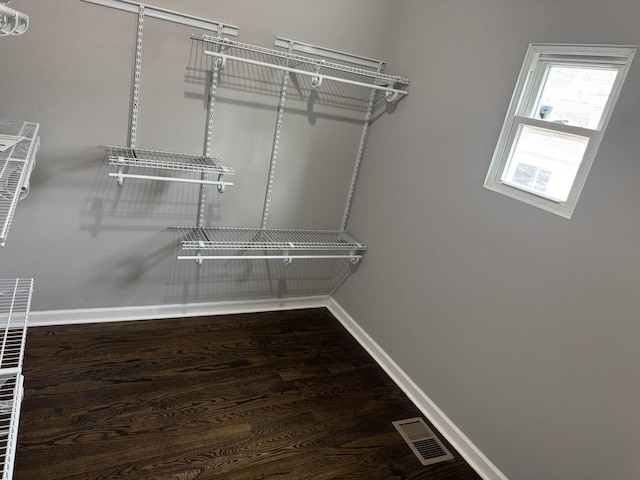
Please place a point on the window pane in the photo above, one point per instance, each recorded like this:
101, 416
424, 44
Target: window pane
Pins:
544, 162
575, 95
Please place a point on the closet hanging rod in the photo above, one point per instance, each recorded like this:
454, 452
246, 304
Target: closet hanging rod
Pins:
169, 15
319, 76
266, 257
121, 176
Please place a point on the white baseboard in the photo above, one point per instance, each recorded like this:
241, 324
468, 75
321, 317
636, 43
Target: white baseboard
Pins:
478, 461
151, 312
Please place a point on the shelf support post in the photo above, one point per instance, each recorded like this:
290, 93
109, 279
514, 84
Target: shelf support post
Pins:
276, 145
213, 87
135, 97
363, 140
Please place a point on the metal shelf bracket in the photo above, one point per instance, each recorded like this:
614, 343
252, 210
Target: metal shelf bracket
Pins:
221, 184
391, 97
120, 177
317, 80
12, 22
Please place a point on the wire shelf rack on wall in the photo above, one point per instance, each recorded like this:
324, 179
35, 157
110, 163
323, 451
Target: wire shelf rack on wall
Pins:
356, 71
222, 243
348, 76
344, 73
137, 158
19, 143
15, 303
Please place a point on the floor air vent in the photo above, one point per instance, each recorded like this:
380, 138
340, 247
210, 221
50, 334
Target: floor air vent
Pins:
422, 441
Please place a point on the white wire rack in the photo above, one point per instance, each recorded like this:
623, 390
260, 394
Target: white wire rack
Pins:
222, 243
318, 69
12, 22
15, 302
354, 72
16, 162
138, 158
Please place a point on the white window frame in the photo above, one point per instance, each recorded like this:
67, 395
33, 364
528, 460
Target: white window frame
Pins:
525, 96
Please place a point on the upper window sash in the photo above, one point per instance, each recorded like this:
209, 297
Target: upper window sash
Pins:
534, 88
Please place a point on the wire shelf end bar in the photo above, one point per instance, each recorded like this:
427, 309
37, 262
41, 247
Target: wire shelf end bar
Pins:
169, 15
394, 92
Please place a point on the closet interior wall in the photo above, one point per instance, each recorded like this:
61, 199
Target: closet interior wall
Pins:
318, 65
92, 244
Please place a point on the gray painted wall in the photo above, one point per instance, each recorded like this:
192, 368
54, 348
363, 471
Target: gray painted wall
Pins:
523, 326
90, 244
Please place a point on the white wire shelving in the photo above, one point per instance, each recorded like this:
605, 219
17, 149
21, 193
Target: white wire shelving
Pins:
19, 142
131, 157
222, 243
15, 303
343, 71
137, 159
12, 22
318, 65
357, 71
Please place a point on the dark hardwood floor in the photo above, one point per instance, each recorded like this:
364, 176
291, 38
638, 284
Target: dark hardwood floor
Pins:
282, 395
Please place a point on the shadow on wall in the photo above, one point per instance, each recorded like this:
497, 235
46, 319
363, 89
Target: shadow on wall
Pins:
141, 204
154, 261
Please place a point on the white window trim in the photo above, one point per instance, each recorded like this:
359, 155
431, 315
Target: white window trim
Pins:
533, 68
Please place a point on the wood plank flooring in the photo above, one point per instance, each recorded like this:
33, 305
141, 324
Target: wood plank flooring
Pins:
281, 395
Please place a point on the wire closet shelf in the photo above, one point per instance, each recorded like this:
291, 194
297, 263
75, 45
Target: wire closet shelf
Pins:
362, 71
15, 303
19, 143
136, 158
221, 243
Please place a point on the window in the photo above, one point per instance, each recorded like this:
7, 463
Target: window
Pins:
558, 113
